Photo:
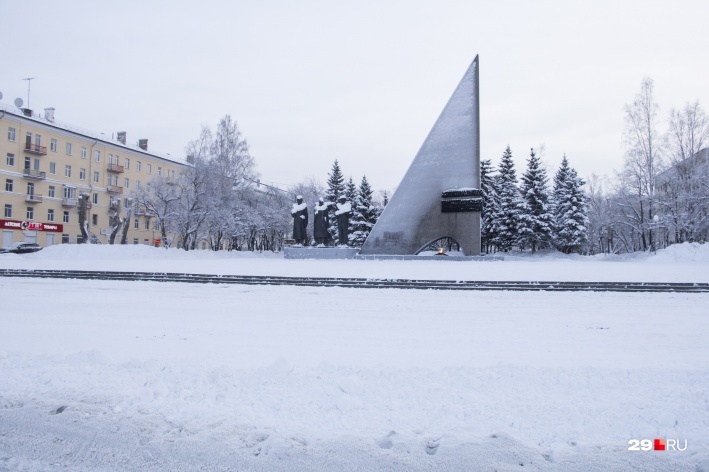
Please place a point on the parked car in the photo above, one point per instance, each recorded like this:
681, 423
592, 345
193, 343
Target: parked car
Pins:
22, 248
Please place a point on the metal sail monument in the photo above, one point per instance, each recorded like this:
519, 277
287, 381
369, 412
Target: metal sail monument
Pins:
439, 196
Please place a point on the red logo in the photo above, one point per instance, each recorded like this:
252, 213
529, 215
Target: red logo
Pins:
660, 445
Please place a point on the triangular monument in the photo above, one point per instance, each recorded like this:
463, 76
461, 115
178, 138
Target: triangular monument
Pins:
439, 196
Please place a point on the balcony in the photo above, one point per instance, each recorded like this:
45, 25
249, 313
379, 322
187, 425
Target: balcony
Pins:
69, 202
35, 174
36, 149
33, 198
115, 189
115, 168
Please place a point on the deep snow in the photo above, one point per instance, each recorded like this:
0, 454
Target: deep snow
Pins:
163, 376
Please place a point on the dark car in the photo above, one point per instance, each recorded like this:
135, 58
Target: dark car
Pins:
22, 248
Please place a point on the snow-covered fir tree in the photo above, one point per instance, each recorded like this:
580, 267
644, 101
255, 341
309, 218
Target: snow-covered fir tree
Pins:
535, 220
570, 218
506, 215
365, 214
351, 196
335, 188
490, 204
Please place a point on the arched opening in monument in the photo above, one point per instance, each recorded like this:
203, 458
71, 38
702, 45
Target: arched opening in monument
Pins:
441, 246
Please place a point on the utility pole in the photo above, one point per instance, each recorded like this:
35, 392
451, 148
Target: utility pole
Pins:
28, 79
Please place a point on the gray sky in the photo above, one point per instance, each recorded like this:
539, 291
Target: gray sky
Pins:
363, 82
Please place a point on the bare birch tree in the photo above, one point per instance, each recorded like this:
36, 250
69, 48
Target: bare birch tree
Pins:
643, 159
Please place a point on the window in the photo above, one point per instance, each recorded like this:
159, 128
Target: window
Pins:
125, 203
126, 182
28, 162
10, 159
150, 169
8, 210
137, 183
94, 198
30, 213
146, 241
11, 132
147, 223
30, 188
137, 166
65, 219
68, 149
53, 145
65, 239
97, 155
9, 185
136, 223
83, 155
67, 171
52, 191
50, 215
69, 192
82, 174
159, 170
126, 163
97, 176
52, 167
94, 220
135, 240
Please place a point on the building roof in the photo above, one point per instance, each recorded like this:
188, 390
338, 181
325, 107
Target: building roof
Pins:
699, 158
38, 118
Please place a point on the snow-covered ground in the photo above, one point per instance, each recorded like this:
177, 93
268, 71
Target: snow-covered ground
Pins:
98, 375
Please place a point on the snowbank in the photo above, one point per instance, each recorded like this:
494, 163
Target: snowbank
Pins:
680, 263
685, 252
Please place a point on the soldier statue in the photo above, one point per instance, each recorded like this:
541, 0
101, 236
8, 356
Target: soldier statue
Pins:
344, 209
321, 222
299, 212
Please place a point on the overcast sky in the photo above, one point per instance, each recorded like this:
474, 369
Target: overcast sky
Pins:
363, 82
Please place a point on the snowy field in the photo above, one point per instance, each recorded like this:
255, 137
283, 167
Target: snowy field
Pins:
98, 375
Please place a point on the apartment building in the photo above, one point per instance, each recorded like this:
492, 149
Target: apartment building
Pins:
45, 166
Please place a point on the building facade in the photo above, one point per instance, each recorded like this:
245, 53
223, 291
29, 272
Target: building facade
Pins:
46, 166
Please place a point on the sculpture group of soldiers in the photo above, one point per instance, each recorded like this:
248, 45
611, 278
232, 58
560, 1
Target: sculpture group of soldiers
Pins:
321, 223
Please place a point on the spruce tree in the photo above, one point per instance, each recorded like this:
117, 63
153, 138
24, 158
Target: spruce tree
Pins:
570, 210
335, 188
535, 221
366, 214
490, 204
351, 196
506, 216
385, 198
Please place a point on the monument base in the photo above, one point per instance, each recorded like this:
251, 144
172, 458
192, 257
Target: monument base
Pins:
312, 252
388, 257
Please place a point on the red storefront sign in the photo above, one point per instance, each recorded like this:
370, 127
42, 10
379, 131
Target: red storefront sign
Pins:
31, 225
